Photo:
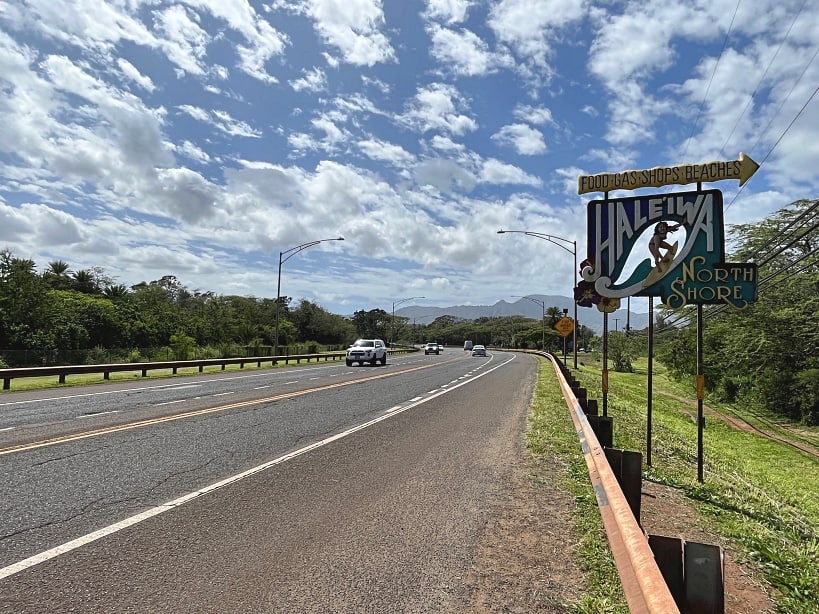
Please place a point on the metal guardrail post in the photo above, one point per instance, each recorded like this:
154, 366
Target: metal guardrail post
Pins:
643, 584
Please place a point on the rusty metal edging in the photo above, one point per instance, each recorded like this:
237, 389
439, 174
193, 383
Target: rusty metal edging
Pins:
643, 584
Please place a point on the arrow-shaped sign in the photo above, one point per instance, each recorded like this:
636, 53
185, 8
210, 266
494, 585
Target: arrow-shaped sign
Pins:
741, 169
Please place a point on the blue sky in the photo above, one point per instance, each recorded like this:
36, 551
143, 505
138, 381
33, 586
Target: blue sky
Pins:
201, 138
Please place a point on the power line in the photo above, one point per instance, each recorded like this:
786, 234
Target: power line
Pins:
762, 78
711, 80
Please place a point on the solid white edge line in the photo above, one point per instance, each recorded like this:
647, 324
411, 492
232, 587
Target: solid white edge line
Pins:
46, 555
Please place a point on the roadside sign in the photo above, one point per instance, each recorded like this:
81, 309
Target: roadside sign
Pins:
565, 326
741, 169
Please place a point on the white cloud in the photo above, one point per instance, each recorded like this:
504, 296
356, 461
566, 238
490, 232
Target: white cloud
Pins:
450, 11
499, 173
184, 41
531, 28
464, 53
353, 27
132, 73
525, 140
222, 121
313, 81
383, 151
539, 116
438, 107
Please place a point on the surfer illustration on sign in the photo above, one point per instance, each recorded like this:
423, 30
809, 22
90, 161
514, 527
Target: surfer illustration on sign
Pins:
661, 261
661, 231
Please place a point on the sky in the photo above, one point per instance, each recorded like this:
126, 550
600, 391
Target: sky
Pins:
211, 139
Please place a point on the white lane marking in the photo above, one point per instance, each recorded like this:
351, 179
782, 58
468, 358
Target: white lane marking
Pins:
223, 394
263, 387
415, 399
169, 403
8, 428
393, 408
99, 413
68, 546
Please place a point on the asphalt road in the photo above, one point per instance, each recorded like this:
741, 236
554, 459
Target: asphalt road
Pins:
306, 489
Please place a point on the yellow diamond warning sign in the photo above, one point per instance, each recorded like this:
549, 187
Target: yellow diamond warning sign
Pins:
565, 326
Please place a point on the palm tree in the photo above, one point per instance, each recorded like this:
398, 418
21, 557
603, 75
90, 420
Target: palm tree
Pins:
85, 282
57, 275
554, 314
115, 292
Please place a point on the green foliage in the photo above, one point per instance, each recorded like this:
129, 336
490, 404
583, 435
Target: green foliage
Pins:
807, 399
135, 356
765, 354
182, 345
623, 349
755, 492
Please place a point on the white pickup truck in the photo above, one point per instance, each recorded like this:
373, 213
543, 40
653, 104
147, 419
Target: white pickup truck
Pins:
367, 350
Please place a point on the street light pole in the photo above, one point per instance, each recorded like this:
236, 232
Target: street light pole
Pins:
284, 257
394, 303
542, 319
563, 244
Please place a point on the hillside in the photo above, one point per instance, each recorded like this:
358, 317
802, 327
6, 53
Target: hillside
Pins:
591, 317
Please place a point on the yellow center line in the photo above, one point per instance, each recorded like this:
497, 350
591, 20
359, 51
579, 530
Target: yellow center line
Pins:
192, 414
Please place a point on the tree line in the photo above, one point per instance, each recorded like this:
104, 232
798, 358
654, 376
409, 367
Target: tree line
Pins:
767, 355
60, 316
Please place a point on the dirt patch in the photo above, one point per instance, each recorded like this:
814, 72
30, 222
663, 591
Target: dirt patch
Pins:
665, 511
528, 563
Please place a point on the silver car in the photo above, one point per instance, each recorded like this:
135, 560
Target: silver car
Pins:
478, 350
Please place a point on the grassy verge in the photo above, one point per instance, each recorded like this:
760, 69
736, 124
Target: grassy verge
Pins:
552, 438
760, 494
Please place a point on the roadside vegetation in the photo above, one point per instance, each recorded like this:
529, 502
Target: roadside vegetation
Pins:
757, 493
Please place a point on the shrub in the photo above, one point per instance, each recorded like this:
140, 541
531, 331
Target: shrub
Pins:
807, 395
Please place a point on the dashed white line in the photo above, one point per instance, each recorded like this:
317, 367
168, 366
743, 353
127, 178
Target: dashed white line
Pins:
223, 394
8, 428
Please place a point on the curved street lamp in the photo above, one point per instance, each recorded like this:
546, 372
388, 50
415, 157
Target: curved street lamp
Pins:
542, 319
563, 244
284, 257
394, 303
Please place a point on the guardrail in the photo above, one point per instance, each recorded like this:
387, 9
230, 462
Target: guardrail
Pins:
643, 583
659, 574
106, 369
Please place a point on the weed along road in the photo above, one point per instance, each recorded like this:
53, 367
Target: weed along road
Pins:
307, 489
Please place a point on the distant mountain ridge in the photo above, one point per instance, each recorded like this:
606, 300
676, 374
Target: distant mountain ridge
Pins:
590, 317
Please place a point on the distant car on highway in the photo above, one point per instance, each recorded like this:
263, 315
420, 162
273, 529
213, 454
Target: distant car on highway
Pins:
440, 347
431, 348
367, 350
478, 350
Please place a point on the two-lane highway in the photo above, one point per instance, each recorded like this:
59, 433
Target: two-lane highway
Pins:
317, 488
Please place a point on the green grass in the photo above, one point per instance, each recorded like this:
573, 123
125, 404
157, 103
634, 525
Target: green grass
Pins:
552, 438
759, 494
